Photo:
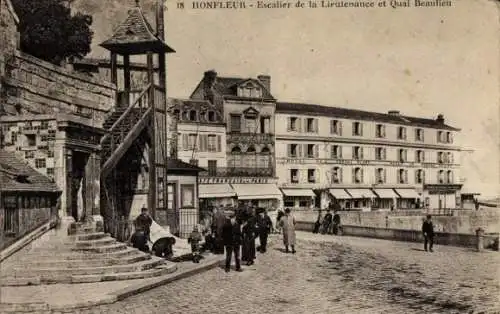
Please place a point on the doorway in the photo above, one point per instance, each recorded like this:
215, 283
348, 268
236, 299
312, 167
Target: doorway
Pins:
77, 181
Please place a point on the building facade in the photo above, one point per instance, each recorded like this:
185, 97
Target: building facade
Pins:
246, 108
365, 160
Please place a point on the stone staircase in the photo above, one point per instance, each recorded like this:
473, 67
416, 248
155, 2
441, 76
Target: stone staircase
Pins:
83, 257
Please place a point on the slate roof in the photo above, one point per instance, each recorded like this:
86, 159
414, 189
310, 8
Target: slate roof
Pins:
135, 35
17, 176
226, 86
179, 165
319, 110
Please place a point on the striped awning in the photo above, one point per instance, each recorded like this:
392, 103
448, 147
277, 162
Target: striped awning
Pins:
216, 190
385, 193
361, 193
339, 194
257, 191
298, 192
407, 193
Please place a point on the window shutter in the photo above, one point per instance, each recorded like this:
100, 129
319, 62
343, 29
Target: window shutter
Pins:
353, 175
205, 142
423, 176
289, 150
383, 130
405, 155
340, 152
185, 143
354, 128
299, 150
332, 129
316, 126
384, 153
384, 173
340, 175
416, 176
406, 176
353, 152
361, 129
340, 128
362, 174
219, 143
361, 152
316, 150
298, 125
289, 126
423, 135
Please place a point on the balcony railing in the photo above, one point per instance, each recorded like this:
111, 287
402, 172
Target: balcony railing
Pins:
238, 172
250, 138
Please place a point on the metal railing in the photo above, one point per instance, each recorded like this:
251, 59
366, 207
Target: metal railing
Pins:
250, 138
238, 171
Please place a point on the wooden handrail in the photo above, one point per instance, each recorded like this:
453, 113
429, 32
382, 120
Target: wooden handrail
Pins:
125, 113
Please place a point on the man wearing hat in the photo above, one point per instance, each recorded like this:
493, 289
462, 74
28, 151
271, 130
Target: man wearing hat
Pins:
232, 239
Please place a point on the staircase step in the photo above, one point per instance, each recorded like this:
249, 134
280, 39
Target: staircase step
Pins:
104, 249
54, 273
79, 263
95, 243
158, 271
89, 236
78, 255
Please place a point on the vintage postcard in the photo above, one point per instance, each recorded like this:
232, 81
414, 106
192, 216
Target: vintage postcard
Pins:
249, 156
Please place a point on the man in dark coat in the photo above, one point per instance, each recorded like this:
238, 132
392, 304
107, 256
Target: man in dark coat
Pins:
218, 224
143, 222
249, 230
264, 227
327, 222
232, 239
428, 231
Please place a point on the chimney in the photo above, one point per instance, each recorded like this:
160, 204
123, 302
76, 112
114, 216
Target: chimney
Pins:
440, 118
160, 21
266, 81
394, 112
208, 85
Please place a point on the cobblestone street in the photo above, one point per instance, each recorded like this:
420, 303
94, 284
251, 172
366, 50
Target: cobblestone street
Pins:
335, 275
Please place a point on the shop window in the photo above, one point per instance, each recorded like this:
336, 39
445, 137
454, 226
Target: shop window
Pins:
289, 201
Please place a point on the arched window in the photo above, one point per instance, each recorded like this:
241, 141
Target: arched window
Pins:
251, 149
211, 116
265, 150
235, 158
236, 150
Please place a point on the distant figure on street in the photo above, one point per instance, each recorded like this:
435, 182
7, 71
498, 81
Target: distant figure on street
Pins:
249, 230
278, 219
195, 239
428, 231
143, 223
327, 222
336, 222
232, 239
218, 225
264, 227
287, 223
317, 224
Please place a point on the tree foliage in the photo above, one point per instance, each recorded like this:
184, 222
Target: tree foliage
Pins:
51, 32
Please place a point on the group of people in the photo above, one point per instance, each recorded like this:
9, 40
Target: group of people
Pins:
329, 224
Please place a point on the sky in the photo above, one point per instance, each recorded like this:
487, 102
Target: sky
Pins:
420, 61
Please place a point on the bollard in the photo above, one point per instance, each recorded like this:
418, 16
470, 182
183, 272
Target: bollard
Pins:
480, 239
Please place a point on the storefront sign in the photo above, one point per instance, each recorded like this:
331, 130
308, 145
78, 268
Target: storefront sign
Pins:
234, 180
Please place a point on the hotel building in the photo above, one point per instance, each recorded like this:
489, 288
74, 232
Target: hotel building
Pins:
364, 160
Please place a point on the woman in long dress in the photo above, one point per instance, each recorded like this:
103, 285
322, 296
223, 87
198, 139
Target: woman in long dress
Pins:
287, 224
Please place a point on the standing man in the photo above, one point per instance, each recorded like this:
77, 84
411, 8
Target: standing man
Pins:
232, 239
219, 221
428, 231
264, 227
143, 222
287, 223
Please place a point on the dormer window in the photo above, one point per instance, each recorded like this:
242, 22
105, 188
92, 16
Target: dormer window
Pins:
250, 90
192, 115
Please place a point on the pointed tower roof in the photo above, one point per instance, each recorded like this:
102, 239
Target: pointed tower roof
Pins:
135, 36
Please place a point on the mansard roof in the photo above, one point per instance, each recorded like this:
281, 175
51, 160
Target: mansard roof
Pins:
320, 110
227, 87
135, 36
17, 176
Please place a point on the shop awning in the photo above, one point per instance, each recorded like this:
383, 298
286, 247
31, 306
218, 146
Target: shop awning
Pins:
385, 193
339, 194
257, 191
407, 193
298, 192
216, 190
361, 193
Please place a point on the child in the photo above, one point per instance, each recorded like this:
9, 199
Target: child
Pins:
195, 239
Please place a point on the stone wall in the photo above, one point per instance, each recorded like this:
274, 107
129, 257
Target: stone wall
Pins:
38, 87
462, 221
441, 238
8, 38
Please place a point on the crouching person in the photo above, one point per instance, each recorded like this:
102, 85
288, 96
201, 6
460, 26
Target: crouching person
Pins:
195, 239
